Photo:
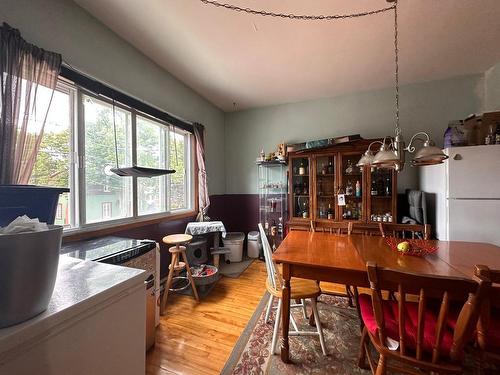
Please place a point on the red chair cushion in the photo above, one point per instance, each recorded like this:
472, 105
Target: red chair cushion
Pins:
390, 309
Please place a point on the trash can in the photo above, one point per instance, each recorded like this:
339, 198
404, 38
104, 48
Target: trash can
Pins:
28, 271
254, 244
234, 242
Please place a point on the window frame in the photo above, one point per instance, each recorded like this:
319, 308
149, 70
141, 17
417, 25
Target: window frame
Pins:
77, 169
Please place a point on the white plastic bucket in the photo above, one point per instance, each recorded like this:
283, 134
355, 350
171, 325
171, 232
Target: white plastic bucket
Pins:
234, 242
253, 244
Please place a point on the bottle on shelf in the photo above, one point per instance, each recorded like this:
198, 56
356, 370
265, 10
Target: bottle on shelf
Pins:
305, 190
330, 167
348, 188
305, 212
388, 186
350, 168
320, 187
302, 169
358, 189
330, 215
373, 190
324, 169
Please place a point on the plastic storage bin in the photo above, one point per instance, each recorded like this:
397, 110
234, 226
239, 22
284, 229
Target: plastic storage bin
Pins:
35, 201
234, 242
254, 244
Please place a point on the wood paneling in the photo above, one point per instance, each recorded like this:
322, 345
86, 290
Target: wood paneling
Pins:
197, 338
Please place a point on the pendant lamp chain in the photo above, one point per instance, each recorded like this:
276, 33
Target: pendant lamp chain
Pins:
396, 61
302, 17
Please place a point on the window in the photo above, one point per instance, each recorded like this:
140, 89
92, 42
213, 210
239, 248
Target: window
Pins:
151, 152
102, 126
78, 151
106, 210
53, 166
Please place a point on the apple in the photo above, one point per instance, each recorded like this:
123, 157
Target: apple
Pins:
404, 246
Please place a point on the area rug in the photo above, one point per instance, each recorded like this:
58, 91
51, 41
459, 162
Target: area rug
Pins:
251, 354
235, 269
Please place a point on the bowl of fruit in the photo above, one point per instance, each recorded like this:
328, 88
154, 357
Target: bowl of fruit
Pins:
415, 247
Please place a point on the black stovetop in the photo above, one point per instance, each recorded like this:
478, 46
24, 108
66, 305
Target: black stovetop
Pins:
109, 249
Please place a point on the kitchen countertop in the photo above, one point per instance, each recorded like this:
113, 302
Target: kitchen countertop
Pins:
80, 287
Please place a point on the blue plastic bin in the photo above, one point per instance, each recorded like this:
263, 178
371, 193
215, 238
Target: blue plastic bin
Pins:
35, 201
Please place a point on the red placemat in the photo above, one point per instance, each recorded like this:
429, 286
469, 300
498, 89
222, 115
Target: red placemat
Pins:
418, 248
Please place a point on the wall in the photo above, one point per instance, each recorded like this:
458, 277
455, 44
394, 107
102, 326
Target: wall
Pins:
492, 88
424, 106
89, 46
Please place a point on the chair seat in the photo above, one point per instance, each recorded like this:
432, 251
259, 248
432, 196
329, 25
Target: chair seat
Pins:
390, 309
301, 288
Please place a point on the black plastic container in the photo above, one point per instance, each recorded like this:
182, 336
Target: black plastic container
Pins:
35, 201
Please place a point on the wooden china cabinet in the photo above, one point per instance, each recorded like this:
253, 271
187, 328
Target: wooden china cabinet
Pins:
317, 177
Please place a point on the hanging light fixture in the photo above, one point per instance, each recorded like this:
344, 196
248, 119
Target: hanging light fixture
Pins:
392, 152
392, 155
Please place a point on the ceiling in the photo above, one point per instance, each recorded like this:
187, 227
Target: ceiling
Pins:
240, 61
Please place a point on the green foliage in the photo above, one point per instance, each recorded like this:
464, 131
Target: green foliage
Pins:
52, 163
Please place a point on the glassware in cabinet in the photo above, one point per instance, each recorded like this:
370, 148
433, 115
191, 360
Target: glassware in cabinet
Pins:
300, 187
352, 186
382, 196
325, 187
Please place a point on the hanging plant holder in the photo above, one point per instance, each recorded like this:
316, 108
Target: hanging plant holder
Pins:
135, 171
141, 171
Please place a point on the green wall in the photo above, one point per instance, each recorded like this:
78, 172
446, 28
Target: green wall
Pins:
425, 106
89, 46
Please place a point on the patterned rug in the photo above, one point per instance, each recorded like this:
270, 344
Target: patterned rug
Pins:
340, 327
251, 354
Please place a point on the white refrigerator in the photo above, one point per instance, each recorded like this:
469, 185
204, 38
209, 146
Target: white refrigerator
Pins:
464, 194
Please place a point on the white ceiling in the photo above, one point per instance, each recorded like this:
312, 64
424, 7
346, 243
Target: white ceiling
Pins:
253, 61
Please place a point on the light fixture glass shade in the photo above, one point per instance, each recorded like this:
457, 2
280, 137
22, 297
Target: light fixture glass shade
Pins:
366, 159
385, 158
429, 155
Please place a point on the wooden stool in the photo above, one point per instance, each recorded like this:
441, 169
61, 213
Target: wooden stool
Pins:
175, 265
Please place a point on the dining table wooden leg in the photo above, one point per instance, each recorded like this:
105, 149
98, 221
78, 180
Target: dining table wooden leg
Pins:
285, 314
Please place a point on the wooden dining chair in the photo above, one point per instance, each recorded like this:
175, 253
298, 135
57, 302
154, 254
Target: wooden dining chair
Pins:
301, 289
488, 328
333, 227
405, 230
412, 335
337, 228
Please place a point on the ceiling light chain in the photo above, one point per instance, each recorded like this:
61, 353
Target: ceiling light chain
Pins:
396, 61
297, 16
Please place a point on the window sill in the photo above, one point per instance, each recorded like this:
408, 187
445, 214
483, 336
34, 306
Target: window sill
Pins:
104, 228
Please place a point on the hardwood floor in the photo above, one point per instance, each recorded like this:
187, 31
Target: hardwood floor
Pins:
197, 338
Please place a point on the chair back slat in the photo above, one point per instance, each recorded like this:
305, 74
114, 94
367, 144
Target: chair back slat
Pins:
273, 275
440, 326
420, 327
401, 230
401, 318
427, 286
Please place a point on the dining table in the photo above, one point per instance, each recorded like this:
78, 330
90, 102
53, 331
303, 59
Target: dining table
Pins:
342, 259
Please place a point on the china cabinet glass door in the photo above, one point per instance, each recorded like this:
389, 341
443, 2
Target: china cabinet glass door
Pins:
300, 188
381, 196
352, 187
325, 187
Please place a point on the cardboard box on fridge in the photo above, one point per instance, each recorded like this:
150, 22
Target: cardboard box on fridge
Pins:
478, 127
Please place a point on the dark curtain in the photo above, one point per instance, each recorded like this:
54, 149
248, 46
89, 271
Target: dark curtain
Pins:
203, 198
28, 76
